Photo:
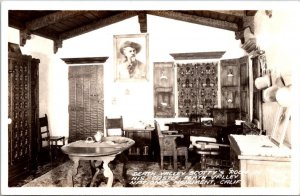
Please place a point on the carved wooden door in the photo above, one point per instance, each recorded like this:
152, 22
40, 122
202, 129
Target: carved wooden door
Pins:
86, 101
23, 112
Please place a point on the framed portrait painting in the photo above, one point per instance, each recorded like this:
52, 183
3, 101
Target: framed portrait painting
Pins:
131, 57
281, 125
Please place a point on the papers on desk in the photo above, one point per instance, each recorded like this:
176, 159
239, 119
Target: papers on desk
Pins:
258, 145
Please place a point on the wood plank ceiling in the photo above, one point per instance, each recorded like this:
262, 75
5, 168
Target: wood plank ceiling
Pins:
59, 25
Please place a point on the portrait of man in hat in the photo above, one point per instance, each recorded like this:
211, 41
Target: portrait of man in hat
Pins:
128, 65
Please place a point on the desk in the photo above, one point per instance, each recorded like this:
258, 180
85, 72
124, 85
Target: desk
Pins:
143, 147
197, 129
261, 162
104, 151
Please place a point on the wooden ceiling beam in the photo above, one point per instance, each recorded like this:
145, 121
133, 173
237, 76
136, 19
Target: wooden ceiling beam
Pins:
196, 19
143, 22
238, 13
98, 24
50, 19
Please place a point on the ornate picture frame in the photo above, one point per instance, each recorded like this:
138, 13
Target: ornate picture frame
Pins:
131, 56
281, 125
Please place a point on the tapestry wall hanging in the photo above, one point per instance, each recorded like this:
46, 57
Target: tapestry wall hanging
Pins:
197, 88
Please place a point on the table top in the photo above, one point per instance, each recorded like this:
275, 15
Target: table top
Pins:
108, 146
257, 145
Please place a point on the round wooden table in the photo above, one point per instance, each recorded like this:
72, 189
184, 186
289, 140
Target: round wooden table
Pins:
104, 151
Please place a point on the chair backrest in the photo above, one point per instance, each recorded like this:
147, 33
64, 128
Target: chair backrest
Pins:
114, 126
167, 143
44, 131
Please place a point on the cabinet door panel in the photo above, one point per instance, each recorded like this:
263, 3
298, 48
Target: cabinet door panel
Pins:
164, 90
230, 97
230, 72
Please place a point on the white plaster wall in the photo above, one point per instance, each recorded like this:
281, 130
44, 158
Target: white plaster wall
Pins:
279, 37
53, 81
134, 101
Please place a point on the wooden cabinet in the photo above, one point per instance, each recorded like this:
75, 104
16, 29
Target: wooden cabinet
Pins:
225, 117
143, 148
230, 97
235, 85
23, 110
230, 72
260, 166
164, 89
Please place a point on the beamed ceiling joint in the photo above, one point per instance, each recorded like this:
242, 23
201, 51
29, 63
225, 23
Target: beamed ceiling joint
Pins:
25, 35
143, 22
236, 21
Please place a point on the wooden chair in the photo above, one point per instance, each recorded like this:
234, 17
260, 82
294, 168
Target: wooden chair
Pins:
114, 126
168, 146
206, 146
46, 140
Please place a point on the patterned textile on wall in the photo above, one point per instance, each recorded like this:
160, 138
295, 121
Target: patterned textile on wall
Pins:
197, 88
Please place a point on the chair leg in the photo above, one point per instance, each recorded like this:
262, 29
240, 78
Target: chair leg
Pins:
175, 162
186, 159
203, 162
161, 162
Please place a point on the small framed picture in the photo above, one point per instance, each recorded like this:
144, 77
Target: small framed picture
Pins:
131, 57
281, 125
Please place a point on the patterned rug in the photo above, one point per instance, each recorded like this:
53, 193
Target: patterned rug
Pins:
138, 174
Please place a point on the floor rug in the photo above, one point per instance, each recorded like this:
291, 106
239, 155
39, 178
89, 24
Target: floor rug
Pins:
137, 174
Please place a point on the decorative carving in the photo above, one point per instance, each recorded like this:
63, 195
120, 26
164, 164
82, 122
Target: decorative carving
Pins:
57, 44
22, 109
24, 35
250, 45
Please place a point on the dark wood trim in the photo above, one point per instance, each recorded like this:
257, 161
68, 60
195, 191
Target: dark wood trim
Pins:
58, 43
51, 19
196, 19
24, 36
198, 55
85, 60
249, 45
143, 22
98, 24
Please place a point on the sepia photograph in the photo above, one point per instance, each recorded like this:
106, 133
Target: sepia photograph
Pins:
150, 98
131, 52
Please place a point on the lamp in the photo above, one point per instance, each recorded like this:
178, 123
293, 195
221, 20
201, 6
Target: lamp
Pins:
230, 73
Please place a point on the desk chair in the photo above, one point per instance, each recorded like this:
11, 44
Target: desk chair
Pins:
114, 126
206, 146
46, 140
168, 146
